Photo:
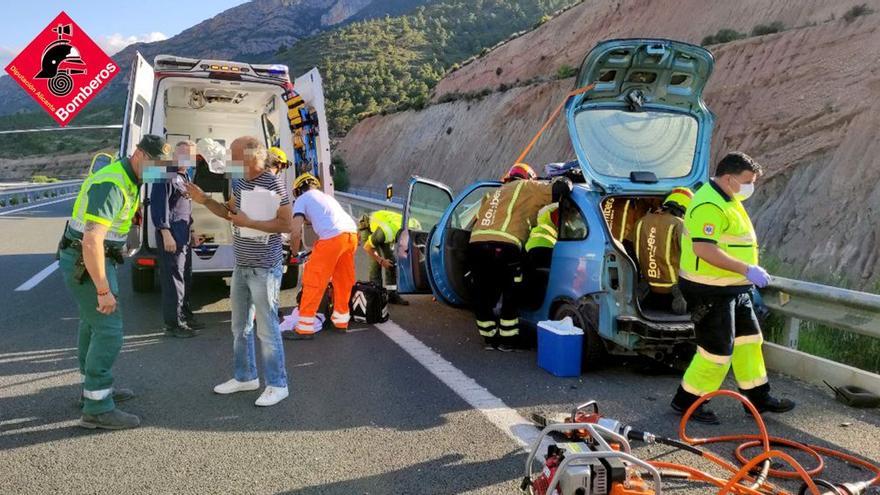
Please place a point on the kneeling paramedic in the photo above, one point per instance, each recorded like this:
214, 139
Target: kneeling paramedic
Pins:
658, 250
495, 254
378, 231
719, 266
89, 251
332, 255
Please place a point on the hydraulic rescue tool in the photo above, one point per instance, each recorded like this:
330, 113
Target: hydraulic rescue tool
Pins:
597, 458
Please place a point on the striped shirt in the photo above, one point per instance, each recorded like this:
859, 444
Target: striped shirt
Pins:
260, 252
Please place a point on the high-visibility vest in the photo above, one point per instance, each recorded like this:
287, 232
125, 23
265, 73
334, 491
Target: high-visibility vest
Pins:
736, 237
389, 221
544, 234
118, 227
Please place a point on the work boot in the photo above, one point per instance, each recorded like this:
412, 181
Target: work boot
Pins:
684, 400
119, 395
394, 298
193, 323
181, 331
110, 420
764, 402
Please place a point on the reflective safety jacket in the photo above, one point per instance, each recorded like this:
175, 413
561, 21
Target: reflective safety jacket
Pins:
544, 234
621, 215
658, 248
509, 213
715, 217
389, 222
120, 224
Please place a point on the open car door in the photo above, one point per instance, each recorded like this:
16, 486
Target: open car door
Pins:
138, 112
426, 202
448, 246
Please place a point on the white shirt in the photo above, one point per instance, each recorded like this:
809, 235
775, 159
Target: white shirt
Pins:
326, 215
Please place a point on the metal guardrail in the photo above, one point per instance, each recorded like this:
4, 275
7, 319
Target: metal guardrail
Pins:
849, 310
37, 192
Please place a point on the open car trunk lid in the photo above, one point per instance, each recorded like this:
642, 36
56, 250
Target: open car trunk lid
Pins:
644, 126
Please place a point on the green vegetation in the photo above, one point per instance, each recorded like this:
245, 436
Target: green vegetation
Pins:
61, 142
849, 348
722, 36
42, 179
773, 27
565, 72
392, 63
857, 11
341, 181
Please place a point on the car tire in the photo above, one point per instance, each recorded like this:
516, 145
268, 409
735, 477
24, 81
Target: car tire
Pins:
143, 279
586, 317
290, 277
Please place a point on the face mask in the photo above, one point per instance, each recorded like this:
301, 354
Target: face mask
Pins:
745, 191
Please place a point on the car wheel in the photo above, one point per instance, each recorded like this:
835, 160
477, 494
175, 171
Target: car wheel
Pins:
290, 277
586, 317
143, 279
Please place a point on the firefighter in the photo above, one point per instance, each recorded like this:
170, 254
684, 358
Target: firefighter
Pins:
378, 231
719, 267
88, 254
332, 255
539, 250
495, 253
658, 250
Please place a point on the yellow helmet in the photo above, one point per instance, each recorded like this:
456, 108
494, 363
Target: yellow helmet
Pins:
278, 154
303, 183
682, 196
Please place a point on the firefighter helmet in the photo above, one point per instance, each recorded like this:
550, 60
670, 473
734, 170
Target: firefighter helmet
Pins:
519, 171
303, 183
681, 196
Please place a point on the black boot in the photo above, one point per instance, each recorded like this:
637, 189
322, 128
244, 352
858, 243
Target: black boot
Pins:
683, 400
764, 402
111, 420
394, 298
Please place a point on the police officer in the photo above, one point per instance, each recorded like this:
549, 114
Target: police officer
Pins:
495, 254
171, 212
658, 250
89, 251
377, 231
719, 266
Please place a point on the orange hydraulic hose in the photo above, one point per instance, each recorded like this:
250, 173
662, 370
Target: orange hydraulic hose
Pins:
528, 148
763, 440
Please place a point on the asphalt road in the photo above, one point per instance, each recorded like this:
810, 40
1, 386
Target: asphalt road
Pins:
364, 416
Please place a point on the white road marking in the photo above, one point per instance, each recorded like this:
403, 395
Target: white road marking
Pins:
494, 409
39, 277
46, 203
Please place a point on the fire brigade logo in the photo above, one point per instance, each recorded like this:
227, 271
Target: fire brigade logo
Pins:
62, 69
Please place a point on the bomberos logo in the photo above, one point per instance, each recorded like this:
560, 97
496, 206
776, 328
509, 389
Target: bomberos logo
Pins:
62, 69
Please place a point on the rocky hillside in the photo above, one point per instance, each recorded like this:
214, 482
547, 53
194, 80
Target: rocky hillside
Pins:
804, 102
244, 32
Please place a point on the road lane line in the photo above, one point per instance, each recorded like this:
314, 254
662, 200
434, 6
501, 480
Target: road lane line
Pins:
39, 277
46, 203
494, 409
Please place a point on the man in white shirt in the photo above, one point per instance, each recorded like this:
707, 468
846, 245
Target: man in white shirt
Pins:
332, 255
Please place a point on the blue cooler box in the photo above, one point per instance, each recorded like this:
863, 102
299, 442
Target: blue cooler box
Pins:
560, 345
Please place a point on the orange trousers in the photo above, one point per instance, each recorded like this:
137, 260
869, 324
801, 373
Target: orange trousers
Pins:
331, 259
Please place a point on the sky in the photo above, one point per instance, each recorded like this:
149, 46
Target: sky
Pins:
112, 24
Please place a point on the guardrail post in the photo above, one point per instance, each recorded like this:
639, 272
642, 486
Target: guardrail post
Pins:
791, 332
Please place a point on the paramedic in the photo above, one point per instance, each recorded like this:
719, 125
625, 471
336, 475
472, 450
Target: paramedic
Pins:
256, 277
719, 266
332, 255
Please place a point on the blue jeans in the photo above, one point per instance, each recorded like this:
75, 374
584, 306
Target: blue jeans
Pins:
255, 293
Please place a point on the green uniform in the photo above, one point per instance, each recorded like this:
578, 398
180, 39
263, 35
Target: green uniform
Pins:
727, 330
108, 197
